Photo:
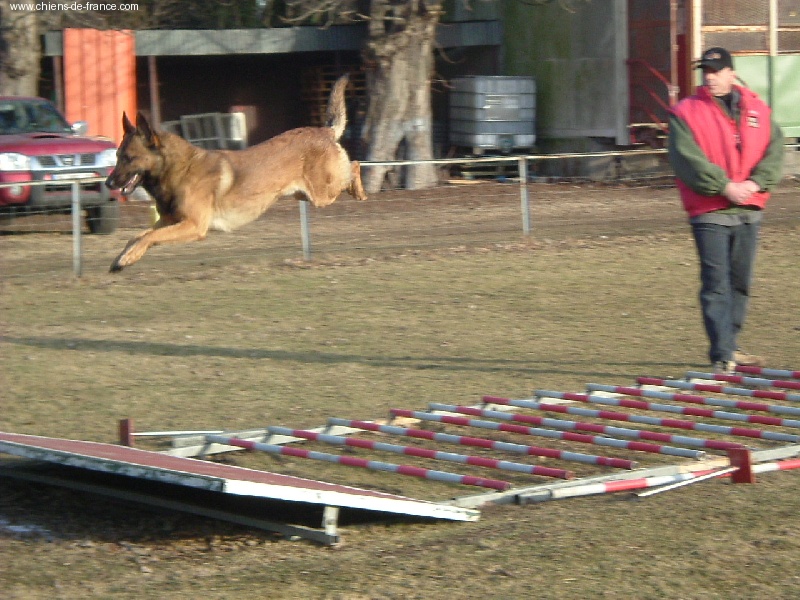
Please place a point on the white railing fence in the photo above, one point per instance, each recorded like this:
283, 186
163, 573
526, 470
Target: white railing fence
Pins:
513, 179
76, 211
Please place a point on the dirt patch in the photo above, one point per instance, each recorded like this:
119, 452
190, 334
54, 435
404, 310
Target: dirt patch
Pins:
449, 217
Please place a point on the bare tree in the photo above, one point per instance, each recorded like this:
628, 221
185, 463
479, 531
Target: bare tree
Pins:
19, 51
398, 60
399, 65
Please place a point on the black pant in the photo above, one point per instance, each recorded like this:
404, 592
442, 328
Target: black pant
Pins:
727, 254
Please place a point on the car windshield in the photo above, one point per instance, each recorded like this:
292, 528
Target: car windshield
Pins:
29, 116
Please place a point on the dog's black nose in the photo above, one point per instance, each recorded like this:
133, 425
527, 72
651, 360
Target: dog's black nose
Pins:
110, 184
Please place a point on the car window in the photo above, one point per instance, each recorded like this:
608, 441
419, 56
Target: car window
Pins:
29, 116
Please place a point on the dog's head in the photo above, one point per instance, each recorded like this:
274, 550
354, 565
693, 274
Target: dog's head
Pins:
138, 153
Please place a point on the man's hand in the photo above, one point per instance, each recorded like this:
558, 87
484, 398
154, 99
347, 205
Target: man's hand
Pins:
752, 186
739, 193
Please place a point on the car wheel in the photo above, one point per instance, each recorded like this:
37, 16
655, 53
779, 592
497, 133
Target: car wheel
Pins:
103, 218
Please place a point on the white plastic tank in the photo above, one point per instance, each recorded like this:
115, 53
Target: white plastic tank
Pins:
493, 113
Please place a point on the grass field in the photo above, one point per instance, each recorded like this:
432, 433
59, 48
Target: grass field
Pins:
199, 344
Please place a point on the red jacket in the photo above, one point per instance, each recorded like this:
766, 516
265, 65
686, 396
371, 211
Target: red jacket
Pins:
735, 147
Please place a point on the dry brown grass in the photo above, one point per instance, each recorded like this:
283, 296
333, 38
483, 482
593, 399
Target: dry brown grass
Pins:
201, 344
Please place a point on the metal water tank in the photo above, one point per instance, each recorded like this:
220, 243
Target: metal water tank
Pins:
492, 112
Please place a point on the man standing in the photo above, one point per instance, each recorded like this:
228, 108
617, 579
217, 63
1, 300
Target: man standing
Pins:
727, 153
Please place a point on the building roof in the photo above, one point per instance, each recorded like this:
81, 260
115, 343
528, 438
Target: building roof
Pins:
280, 40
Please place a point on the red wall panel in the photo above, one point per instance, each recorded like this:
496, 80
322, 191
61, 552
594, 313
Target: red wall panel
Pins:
100, 79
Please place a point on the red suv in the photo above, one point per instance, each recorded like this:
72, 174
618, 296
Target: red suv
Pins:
37, 144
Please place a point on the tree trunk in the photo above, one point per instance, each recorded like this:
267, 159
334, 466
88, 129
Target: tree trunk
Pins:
399, 66
19, 52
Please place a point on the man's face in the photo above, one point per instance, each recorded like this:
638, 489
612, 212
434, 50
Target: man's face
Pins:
719, 82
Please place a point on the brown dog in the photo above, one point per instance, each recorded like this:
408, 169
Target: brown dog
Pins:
196, 190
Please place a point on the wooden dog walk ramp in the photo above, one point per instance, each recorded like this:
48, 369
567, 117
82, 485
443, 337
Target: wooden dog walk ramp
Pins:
216, 478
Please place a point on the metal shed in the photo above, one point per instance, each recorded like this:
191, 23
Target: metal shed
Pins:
611, 68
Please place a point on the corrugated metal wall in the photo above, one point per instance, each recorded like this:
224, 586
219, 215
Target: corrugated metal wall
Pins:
99, 79
578, 60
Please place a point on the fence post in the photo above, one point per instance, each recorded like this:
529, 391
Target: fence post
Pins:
76, 230
305, 233
523, 194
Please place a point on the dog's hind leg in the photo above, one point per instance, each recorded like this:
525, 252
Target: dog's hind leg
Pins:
183, 231
323, 188
356, 188
319, 189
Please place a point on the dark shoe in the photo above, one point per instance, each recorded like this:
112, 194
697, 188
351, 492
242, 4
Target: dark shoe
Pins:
724, 367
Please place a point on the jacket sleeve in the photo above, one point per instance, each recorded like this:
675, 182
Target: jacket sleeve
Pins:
690, 163
769, 170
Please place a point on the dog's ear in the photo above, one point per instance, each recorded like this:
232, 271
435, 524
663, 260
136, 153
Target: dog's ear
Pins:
127, 126
144, 128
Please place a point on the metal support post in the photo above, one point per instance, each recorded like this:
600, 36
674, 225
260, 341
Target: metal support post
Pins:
523, 194
305, 232
741, 458
330, 520
76, 230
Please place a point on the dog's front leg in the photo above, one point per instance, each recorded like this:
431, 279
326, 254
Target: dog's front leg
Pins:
184, 231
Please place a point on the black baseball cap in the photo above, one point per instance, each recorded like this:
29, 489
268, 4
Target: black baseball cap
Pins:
715, 59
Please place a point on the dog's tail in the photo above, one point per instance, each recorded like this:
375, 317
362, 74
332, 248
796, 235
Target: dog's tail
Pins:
337, 111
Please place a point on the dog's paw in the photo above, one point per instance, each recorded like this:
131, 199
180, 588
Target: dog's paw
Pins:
119, 263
